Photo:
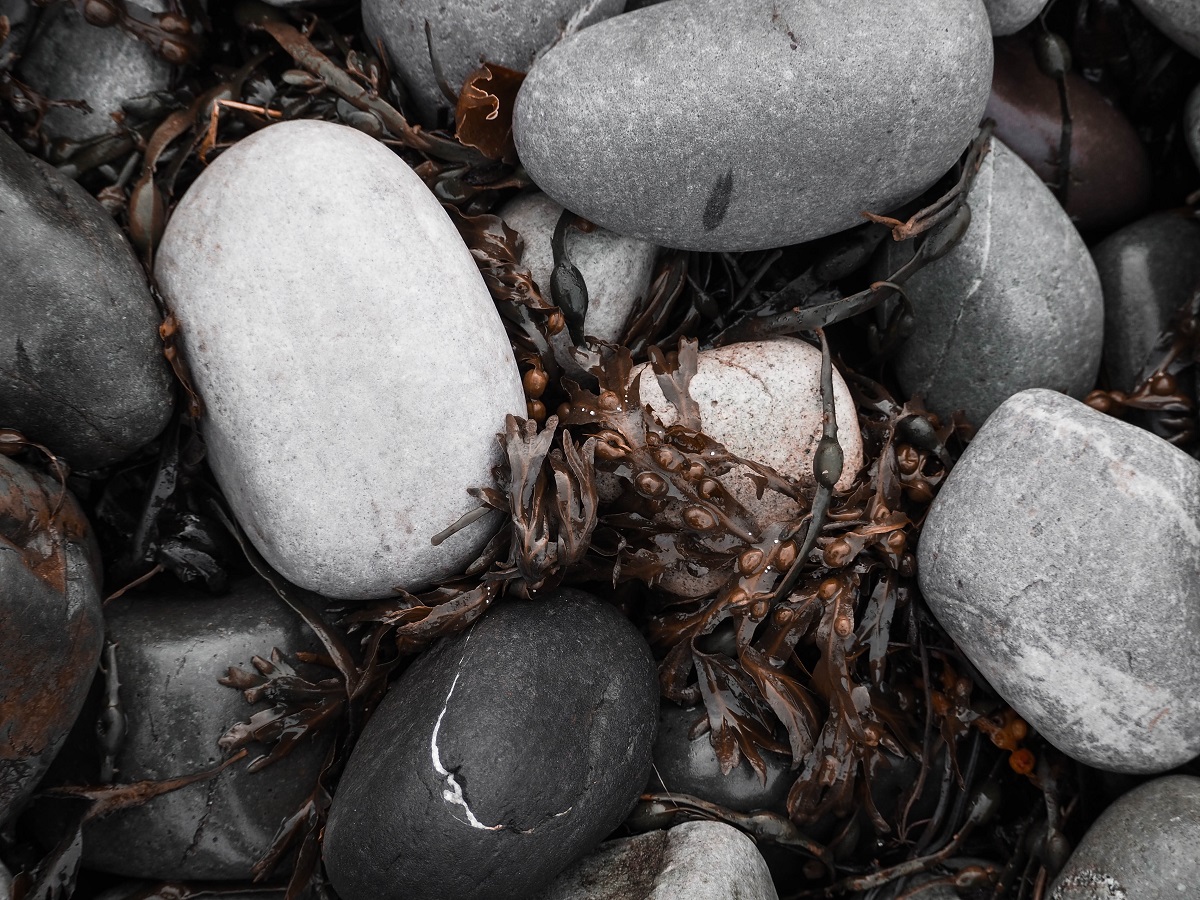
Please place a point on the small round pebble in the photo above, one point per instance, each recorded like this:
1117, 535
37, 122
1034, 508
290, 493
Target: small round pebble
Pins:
1010, 16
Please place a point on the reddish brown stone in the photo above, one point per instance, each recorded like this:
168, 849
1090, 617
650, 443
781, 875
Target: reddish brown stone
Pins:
1110, 171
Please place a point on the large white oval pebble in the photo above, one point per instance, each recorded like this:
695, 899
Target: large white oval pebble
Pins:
354, 369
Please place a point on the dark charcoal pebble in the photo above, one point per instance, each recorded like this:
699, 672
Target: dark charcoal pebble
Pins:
51, 626
172, 647
81, 364
501, 756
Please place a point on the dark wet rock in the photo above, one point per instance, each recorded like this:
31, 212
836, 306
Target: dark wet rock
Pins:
81, 365
501, 756
686, 766
1016, 304
1177, 19
5, 881
52, 625
465, 34
1148, 271
1145, 846
1010, 16
1191, 123
388, 401
797, 116
696, 860
1061, 555
21, 15
173, 645
69, 59
1110, 183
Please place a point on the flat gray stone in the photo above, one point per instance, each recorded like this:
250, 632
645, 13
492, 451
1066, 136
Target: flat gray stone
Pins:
1146, 846
466, 33
1148, 271
81, 364
696, 860
1016, 304
1061, 555
354, 368
1177, 19
173, 644
68, 59
711, 125
1191, 124
616, 269
1010, 16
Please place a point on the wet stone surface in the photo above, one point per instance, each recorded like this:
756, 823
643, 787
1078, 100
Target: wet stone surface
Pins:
696, 860
1017, 304
172, 647
1148, 271
775, 89
51, 626
464, 34
501, 756
1143, 847
615, 269
1177, 19
81, 365
329, 424
1031, 559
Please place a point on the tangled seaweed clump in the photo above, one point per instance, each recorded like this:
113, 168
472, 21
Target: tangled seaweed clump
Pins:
814, 642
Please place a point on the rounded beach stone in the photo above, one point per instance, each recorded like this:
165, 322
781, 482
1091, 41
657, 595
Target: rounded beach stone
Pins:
51, 626
81, 364
501, 756
1177, 19
1191, 122
1061, 556
616, 269
1010, 16
1016, 304
173, 644
711, 125
1110, 179
695, 860
1145, 846
1148, 271
69, 59
465, 34
354, 401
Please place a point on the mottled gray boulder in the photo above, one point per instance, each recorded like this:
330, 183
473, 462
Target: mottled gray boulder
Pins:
352, 404
173, 644
712, 125
81, 364
696, 860
615, 269
464, 34
68, 59
1017, 304
1061, 555
501, 756
1148, 271
1010, 16
1177, 19
1191, 122
51, 626
1146, 846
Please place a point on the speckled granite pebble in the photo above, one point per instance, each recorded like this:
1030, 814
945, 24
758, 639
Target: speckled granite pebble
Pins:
352, 404
1010, 16
1145, 846
1061, 555
1016, 304
737, 126
615, 269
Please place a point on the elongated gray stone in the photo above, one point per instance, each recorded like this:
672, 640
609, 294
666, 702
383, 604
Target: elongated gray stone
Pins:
1148, 271
711, 125
354, 368
1177, 19
1145, 846
695, 860
1010, 16
81, 364
1061, 555
465, 34
1016, 304
615, 269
